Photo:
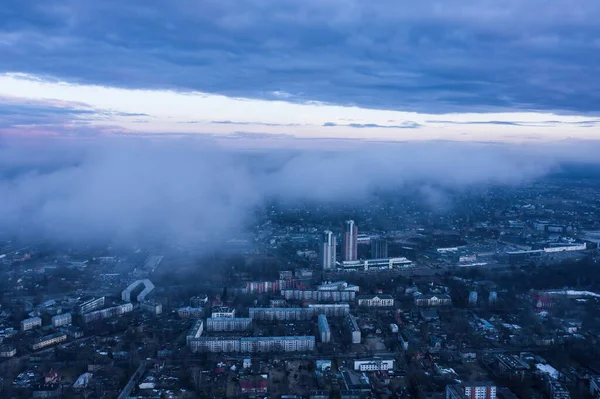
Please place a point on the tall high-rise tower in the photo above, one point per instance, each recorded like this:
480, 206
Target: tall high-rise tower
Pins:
350, 239
327, 250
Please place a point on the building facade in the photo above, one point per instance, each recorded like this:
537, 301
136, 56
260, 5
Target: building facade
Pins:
375, 264
281, 314
471, 391
108, 312
228, 324
319, 295
353, 329
30, 323
376, 300
433, 300
327, 253
194, 333
148, 288
48, 340
373, 365
330, 309
251, 344
223, 311
62, 320
8, 351
90, 305
190, 313
349, 242
324, 331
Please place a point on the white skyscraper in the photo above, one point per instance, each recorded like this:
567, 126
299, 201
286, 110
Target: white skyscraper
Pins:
327, 250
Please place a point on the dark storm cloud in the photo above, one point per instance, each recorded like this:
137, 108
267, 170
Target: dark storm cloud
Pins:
433, 56
186, 190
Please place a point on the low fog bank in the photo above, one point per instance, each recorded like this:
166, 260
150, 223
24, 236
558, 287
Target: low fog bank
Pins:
181, 191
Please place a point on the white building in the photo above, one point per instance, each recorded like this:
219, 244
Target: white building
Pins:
30, 323
566, 248
376, 300
367, 264
61, 320
324, 331
471, 390
89, 305
328, 250
148, 288
228, 324
373, 365
433, 300
223, 311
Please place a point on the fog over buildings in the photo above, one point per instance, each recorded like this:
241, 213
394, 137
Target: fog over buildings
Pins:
185, 190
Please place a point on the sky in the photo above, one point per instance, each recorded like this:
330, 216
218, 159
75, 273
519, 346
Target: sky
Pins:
283, 72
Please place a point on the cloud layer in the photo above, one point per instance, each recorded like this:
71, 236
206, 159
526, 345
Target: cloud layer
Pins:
182, 191
427, 56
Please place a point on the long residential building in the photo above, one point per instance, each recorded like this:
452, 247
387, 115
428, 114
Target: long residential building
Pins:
281, 314
319, 295
251, 344
108, 312
228, 324
89, 305
48, 340
337, 286
324, 331
259, 287
194, 333
330, 309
